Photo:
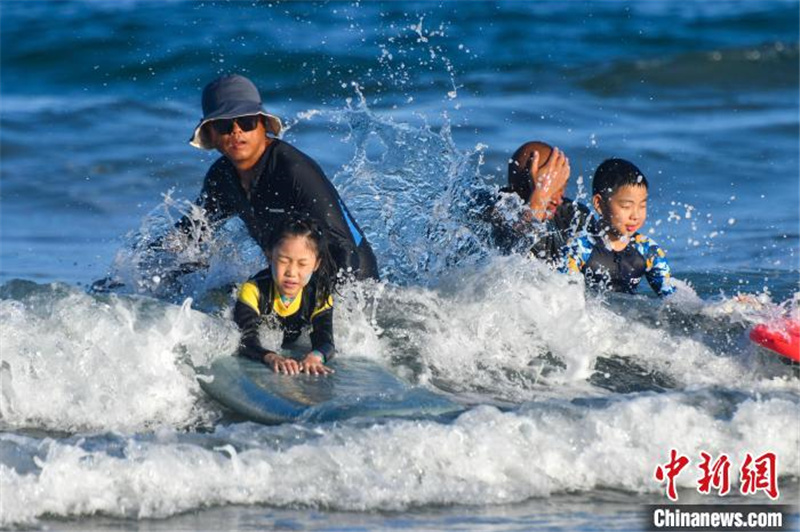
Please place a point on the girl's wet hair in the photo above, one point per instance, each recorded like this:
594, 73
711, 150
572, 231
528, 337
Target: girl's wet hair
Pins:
303, 226
612, 174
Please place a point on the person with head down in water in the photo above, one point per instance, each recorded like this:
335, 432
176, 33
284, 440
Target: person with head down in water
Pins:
539, 173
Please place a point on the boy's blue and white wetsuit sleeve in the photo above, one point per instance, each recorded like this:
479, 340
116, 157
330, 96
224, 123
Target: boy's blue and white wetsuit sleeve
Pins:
658, 272
576, 254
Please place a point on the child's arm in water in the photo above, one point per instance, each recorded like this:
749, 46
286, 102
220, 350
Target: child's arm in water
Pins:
321, 341
658, 272
247, 316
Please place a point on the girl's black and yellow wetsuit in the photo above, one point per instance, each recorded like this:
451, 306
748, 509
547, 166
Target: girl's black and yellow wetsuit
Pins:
259, 299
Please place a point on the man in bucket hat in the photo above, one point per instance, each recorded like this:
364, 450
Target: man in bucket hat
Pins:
263, 179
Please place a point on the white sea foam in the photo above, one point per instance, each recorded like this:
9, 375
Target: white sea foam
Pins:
115, 367
229, 256
488, 328
71, 361
484, 457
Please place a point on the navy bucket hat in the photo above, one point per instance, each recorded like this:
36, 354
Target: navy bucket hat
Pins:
229, 97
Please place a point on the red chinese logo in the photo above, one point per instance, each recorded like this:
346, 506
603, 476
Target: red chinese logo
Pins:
760, 474
715, 475
756, 474
670, 470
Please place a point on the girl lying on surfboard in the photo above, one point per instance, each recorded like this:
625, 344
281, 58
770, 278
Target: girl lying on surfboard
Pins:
295, 292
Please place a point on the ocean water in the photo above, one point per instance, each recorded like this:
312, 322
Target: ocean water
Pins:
572, 399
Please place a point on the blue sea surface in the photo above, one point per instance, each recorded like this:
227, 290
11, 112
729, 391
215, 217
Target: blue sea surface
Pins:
409, 107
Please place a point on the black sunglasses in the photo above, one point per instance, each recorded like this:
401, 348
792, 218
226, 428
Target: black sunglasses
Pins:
224, 126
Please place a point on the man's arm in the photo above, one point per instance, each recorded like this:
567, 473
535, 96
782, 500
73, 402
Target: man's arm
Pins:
216, 202
548, 182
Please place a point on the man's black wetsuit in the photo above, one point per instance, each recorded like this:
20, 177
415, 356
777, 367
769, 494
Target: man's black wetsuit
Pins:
289, 182
570, 219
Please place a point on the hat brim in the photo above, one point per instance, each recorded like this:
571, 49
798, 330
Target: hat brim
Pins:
274, 125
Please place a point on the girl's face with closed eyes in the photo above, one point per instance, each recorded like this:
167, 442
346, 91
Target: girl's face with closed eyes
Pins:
294, 261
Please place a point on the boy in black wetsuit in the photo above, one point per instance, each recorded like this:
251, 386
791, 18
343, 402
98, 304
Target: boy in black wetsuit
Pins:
618, 256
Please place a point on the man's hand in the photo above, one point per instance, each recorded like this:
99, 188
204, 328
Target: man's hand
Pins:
549, 183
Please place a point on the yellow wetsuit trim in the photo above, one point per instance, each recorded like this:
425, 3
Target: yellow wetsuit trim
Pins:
249, 295
328, 305
573, 265
284, 311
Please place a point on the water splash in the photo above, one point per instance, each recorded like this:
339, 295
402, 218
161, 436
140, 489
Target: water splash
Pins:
72, 361
161, 261
411, 188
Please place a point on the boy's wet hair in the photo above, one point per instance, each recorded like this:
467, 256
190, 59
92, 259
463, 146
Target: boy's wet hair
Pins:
612, 174
304, 226
519, 167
